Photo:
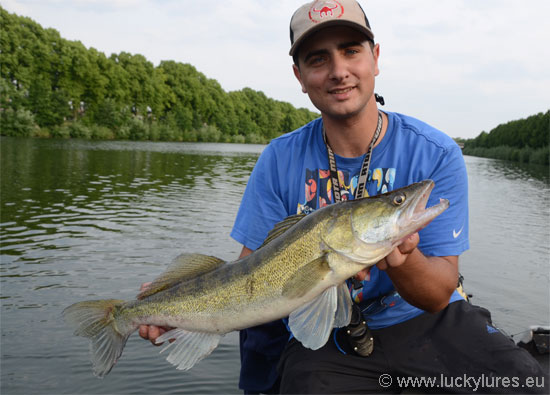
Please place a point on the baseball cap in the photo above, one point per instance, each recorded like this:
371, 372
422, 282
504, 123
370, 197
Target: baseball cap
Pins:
319, 14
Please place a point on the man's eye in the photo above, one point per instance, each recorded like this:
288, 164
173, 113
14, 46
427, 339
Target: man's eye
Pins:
351, 51
316, 60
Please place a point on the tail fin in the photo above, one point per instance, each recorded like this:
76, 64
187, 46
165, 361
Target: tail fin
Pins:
95, 320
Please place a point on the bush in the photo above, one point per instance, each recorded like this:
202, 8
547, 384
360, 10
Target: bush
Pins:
17, 123
79, 130
154, 132
209, 133
190, 136
541, 156
101, 133
238, 139
254, 138
168, 133
60, 132
138, 130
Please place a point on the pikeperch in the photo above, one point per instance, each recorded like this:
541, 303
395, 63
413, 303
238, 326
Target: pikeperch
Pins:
299, 272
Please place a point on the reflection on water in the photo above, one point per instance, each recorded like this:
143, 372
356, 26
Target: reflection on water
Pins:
88, 220
85, 220
507, 266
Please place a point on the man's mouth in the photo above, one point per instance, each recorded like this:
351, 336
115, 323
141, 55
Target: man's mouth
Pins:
340, 91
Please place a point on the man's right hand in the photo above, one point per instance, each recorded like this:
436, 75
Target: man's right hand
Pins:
151, 332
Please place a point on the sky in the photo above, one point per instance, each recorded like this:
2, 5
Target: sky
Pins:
463, 66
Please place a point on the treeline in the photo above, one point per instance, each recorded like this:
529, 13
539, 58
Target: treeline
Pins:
52, 87
524, 140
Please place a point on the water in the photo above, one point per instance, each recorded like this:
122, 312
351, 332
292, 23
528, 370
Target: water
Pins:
87, 220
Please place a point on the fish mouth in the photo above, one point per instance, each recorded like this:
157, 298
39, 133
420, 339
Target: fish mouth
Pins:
416, 215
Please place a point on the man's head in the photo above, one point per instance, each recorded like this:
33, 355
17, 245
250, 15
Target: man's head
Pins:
320, 14
335, 59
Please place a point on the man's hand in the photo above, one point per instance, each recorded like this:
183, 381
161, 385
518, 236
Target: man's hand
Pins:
396, 258
151, 332
400, 254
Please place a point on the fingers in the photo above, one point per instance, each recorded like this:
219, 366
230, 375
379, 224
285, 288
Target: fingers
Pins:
363, 274
382, 265
409, 244
150, 332
400, 254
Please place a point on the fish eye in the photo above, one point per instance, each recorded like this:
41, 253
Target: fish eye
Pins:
399, 199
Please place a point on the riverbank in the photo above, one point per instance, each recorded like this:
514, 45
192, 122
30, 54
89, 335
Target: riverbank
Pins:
21, 123
536, 156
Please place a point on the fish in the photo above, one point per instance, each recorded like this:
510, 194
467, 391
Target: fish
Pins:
299, 272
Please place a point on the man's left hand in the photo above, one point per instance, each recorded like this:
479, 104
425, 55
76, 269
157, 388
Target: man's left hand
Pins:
396, 258
400, 254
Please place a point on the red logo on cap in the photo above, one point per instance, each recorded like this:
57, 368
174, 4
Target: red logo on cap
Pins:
325, 9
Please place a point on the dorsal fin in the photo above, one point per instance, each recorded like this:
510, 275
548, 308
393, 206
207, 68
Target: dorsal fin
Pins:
184, 266
282, 227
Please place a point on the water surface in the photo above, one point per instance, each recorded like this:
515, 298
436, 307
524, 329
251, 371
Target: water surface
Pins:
88, 220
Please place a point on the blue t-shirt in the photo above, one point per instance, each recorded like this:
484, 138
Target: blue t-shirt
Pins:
292, 176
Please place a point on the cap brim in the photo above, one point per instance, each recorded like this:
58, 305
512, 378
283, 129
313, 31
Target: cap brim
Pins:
367, 32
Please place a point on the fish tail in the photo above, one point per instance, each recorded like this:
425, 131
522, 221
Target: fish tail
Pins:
95, 319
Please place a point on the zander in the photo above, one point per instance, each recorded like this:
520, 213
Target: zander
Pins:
299, 272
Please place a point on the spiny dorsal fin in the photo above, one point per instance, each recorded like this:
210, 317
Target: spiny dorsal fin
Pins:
282, 227
184, 266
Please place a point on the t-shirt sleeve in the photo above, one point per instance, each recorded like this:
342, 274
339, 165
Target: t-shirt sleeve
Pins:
262, 205
448, 233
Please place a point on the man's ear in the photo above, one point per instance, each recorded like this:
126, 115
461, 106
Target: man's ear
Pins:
299, 77
376, 54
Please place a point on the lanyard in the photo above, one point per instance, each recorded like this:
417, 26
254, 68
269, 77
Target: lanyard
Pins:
359, 192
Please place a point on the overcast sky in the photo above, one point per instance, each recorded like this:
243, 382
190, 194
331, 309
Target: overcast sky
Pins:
461, 65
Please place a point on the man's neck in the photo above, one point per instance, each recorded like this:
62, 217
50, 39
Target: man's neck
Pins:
352, 136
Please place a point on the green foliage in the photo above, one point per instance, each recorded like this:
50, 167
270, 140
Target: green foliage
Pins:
53, 87
99, 132
524, 140
539, 156
533, 131
17, 122
79, 130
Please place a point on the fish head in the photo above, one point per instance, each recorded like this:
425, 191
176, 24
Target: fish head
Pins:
382, 222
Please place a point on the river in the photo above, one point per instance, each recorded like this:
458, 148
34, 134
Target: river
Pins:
88, 220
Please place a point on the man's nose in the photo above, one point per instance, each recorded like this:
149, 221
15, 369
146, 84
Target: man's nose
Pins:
338, 69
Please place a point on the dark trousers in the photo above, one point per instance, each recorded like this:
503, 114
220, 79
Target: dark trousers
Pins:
454, 351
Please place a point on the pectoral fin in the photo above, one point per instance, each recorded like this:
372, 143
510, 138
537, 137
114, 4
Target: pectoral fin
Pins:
312, 323
189, 347
343, 309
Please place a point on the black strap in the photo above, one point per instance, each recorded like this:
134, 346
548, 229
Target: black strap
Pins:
361, 183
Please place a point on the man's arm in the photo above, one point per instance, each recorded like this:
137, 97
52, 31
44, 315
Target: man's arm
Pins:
425, 282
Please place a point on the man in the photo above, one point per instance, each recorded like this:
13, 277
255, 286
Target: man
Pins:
420, 325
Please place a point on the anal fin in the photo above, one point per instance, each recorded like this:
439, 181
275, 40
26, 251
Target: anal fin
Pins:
188, 347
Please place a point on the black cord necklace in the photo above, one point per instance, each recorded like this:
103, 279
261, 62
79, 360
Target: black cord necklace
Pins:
361, 183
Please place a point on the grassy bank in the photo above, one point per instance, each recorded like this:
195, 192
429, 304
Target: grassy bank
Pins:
539, 156
22, 123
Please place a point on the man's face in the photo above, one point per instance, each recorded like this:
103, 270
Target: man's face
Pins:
337, 69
